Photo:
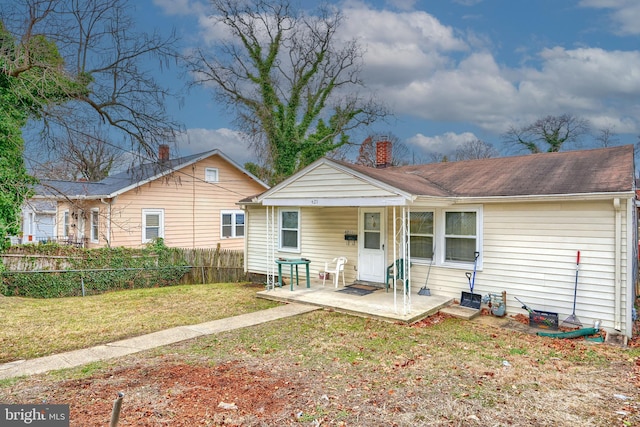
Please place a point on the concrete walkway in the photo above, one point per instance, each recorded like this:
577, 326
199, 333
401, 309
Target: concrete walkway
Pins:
128, 346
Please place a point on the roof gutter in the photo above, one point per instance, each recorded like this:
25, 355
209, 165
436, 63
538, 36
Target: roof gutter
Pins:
546, 198
396, 200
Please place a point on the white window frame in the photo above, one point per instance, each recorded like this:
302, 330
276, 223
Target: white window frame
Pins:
441, 248
211, 175
66, 223
234, 224
281, 230
160, 213
32, 223
433, 235
94, 224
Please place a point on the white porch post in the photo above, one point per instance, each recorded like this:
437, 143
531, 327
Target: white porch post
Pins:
406, 245
270, 249
393, 262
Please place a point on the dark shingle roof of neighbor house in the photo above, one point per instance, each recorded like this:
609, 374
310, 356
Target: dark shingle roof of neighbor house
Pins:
113, 183
117, 183
570, 172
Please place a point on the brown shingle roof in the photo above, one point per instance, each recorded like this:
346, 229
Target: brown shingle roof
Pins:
571, 172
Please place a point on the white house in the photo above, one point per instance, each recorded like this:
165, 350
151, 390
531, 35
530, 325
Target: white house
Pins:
526, 216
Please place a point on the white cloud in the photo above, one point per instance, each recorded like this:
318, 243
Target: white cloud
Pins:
625, 14
442, 81
445, 144
425, 69
230, 142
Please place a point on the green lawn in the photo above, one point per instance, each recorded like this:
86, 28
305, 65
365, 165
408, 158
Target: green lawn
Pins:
39, 327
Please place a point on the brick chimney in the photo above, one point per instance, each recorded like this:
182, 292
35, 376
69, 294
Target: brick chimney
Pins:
383, 154
163, 153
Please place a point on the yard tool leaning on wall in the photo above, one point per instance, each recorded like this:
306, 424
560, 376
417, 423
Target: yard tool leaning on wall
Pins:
469, 299
572, 321
425, 290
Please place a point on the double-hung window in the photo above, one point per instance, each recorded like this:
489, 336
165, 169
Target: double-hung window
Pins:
94, 224
421, 234
152, 224
460, 235
231, 224
290, 230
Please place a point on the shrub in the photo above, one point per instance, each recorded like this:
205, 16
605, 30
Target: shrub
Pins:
92, 271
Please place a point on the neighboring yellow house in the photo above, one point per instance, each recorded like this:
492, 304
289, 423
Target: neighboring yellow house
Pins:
190, 202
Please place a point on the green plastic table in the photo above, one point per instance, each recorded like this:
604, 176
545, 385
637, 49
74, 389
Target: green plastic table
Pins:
291, 263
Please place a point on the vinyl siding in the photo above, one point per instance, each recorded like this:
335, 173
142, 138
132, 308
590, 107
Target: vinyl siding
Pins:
325, 181
528, 250
192, 207
322, 239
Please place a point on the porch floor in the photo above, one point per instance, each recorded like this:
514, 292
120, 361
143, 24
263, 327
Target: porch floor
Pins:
378, 304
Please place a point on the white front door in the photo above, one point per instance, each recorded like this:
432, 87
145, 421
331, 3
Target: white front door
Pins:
371, 243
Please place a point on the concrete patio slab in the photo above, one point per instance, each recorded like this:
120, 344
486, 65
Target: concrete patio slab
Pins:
380, 304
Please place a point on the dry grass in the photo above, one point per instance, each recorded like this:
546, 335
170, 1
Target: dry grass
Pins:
348, 371
450, 373
38, 327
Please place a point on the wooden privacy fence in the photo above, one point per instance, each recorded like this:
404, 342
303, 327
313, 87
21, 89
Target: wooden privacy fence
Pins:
212, 265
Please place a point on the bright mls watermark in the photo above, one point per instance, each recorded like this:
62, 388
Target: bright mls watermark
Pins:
34, 415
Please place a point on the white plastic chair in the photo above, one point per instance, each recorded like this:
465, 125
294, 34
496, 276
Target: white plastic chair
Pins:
338, 267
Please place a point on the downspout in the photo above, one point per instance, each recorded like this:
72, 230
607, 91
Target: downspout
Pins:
193, 207
246, 239
618, 256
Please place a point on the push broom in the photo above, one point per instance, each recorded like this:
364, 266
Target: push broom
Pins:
572, 321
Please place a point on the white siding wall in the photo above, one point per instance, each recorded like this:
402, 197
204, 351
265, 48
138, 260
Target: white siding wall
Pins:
322, 238
325, 181
529, 250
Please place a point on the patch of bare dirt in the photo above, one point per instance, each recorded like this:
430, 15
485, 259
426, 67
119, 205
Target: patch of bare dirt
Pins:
168, 392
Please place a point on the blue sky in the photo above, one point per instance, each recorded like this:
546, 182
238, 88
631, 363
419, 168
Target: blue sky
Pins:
455, 70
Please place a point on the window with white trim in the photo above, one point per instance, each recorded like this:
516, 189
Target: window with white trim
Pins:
211, 175
290, 230
231, 224
460, 235
66, 224
95, 224
152, 224
421, 234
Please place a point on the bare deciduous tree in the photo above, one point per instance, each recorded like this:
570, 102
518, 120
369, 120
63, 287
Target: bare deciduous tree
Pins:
82, 155
606, 137
475, 149
102, 50
400, 153
287, 77
548, 134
